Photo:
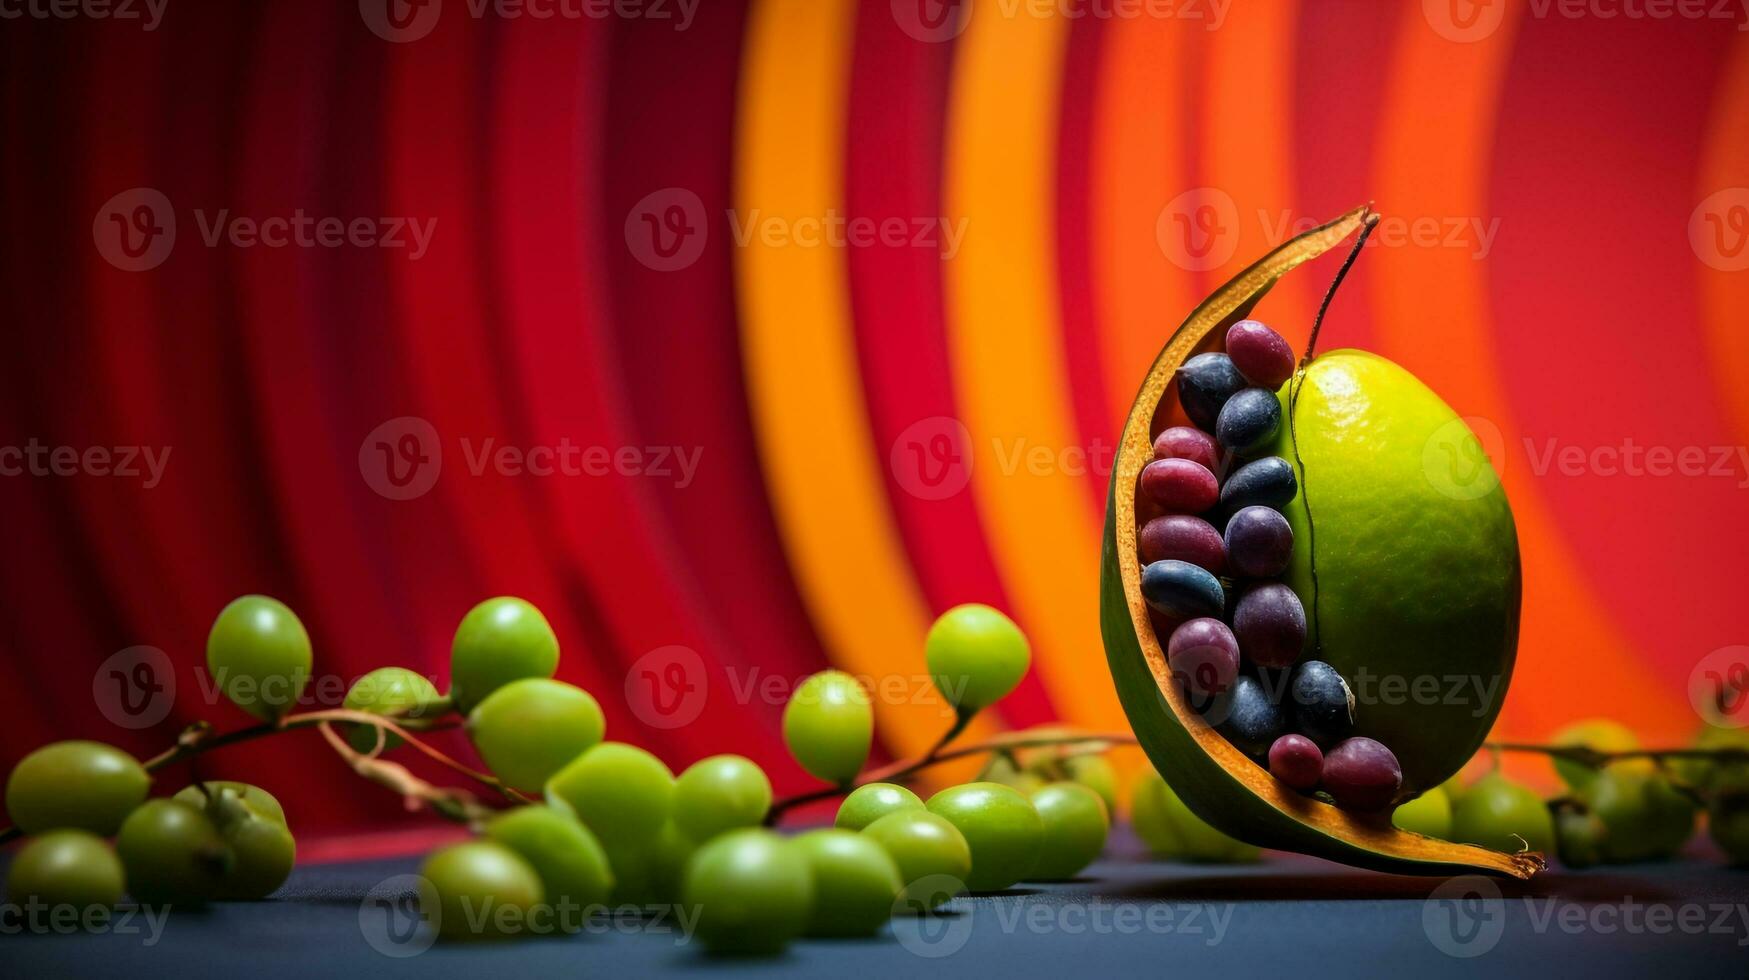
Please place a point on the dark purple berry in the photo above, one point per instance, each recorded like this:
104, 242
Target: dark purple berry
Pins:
1248, 717
1259, 542
1267, 482
1296, 761
1182, 486
1185, 538
1361, 774
1182, 590
1320, 703
1271, 625
1260, 354
1184, 442
1203, 656
1205, 382
1248, 421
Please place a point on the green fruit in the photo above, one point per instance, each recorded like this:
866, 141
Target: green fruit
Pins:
259, 800
869, 803
1097, 774
64, 869
751, 890
173, 854
855, 882
1393, 616
976, 656
393, 691
499, 641
619, 791
1428, 814
483, 890
263, 855
1075, 826
528, 729
1602, 735
651, 873
1579, 837
1728, 822
259, 654
723, 792
1502, 815
573, 868
1648, 819
1003, 770
933, 857
75, 785
828, 726
1172, 832
1705, 774
1002, 828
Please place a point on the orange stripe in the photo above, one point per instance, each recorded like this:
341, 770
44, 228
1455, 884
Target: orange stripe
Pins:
816, 446
1724, 294
1435, 163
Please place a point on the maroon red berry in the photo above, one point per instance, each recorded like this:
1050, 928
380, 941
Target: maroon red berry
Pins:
1203, 655
1361, 774
1296, 761
1182, 486
1184, 442
1185, 538
1260, 354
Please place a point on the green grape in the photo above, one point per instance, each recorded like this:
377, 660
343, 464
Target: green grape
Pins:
619, 791
723, 792
869, 803
500, 640
1428, 815
933, 857
1003, 770
650, 875
483, 890
1075, 825
828, 726
1728, 823
64, 869
1172, 831
75, 785
1502, 815
1706, 774
259, 654
1579, 836
751, 890
1648, 819
529, 729
393, 691
573, 868
1096, 773
259, 800
976, 656
1603, 735
855, 882
263, 851
173, 854
1001, 826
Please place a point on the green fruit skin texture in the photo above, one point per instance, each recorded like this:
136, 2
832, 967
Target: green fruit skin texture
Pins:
1418, 570
976, 655
1496, 812
620, 792
264, 804
651, 874
1579, 837
1001, 826
1428, 815
855, 882
384, 691
173, 854
483, 891
933, 857
65, 868
263, 855
1601, 734
721, 793
1647, 818
1172, 832
1076, 823
499, 641
75, 785
1728, 823
751, 890
869, 803
573, 867
828, 726
529, 729
259, 653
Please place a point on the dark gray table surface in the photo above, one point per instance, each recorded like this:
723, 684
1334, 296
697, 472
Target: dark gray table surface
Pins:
1128, 916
